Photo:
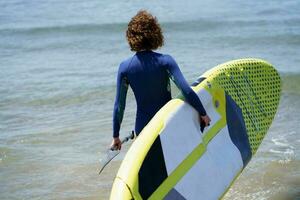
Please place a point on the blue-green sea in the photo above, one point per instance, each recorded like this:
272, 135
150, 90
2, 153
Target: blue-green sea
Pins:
58, 64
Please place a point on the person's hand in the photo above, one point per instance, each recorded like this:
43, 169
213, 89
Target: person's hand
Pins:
204, 119
116, 144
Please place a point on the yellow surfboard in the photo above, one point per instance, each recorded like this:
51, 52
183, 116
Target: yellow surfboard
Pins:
173, 159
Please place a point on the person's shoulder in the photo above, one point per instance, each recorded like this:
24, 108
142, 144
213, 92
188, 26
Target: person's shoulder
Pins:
163, 56
126, 61
167, 59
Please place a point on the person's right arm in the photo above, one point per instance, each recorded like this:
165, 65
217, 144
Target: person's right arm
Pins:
190, 96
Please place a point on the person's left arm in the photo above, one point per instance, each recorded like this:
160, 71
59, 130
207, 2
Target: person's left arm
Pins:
120, 103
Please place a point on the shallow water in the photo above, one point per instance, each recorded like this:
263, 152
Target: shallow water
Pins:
58, 63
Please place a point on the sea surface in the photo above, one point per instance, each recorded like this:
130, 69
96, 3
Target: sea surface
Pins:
58, 64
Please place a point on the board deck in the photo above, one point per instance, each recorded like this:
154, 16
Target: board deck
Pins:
173, 159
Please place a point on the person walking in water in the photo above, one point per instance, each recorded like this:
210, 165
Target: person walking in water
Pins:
148, 73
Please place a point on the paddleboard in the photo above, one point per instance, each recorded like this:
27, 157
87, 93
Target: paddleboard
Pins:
173, 159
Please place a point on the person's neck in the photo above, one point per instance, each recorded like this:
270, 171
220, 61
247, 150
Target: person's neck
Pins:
144, 50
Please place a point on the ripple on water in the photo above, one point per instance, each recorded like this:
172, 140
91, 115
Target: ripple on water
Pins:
273, 179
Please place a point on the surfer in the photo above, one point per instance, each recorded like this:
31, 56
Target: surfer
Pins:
148, 74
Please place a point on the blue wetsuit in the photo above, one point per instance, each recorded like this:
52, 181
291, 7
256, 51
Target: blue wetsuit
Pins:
148, 73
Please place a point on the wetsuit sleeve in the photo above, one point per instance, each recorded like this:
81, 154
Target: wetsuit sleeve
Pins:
120, 101
188, 93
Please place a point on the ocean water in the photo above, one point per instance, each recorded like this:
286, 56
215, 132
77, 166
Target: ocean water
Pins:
58, 64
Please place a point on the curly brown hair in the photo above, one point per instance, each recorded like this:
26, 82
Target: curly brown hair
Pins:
144, 32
